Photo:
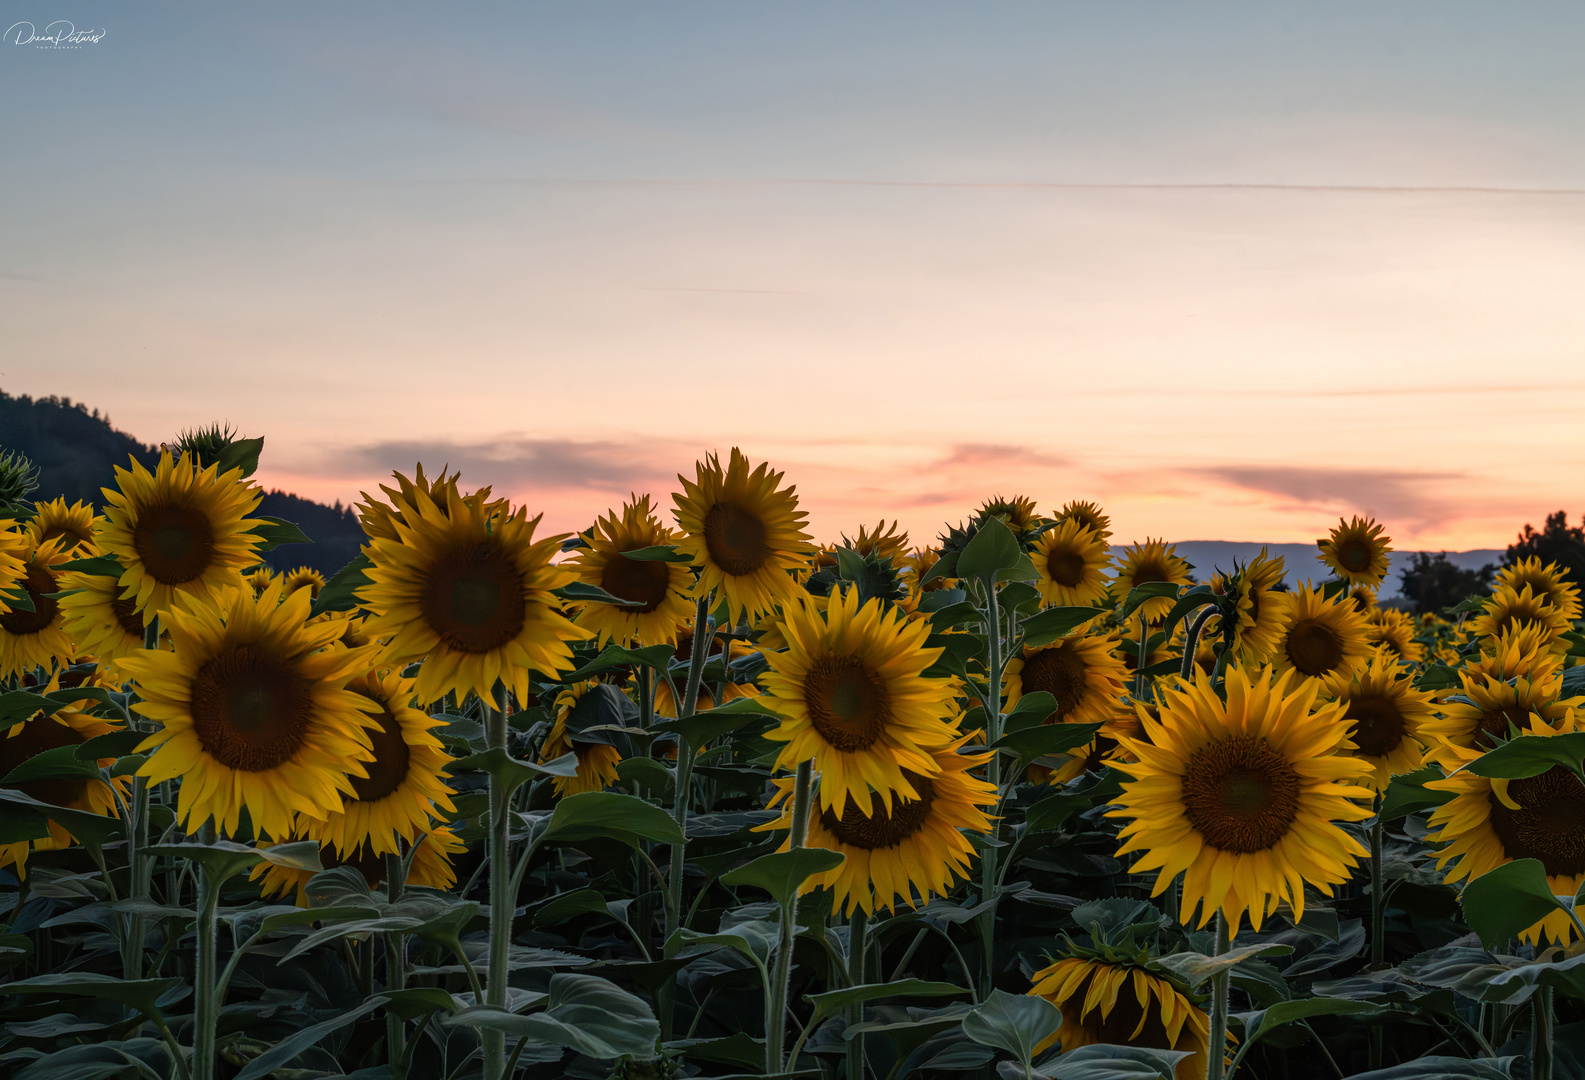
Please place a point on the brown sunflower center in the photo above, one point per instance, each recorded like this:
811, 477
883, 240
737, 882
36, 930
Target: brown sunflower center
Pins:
251, 708
1354, 556
36, 736
57, 530
1314, 648
391, 758
631, 579
176, 543
1118, 1026
37, 582
1147, 572
125, 609
473, 598
1065, 566
1240, 794
877, 829
1495, 721
1378, 727
1551, 824
1059, 672
848, 702
736, 538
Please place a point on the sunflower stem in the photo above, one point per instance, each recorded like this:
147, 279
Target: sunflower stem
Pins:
206, 1005
1221, 988
702, 632
1139, 662
1541, 1034
781, 976
1191, 643
993, 732
858, 945
395, 971
501, 905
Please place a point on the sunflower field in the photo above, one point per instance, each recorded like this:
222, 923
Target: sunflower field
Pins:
702, 797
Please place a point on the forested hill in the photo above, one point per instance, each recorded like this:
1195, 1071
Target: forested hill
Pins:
77, 450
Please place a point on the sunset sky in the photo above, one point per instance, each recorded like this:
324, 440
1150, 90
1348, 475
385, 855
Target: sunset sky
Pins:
1232, 269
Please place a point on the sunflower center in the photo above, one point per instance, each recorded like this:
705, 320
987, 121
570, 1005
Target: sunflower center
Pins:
877, 829
1240, 794
125, 609
1314, 648
37, 582
1378, 725
1065, 567
57, 530
1354, 556
36, 736
473, 599
735, 538
176, 543
1551, 824
251, 708
632, 579
1059, 672
1147, 572
847, 701
391, 758
1494, 722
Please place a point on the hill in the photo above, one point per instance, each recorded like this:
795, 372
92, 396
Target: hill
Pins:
1301, 564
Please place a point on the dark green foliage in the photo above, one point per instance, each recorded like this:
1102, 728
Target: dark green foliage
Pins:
1557, 543
1431, 583
74, 449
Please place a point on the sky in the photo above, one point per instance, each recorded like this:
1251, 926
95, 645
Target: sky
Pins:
1230, 269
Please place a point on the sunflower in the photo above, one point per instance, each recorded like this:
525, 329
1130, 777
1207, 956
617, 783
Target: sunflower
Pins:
1125, 1005
1072, 561
180, 530
1508, 608
1242, 797
1491, 705
884, 541
596, 761
853, 698
918, 565
100, 621
1548, 582
13, 549
304, 578
255, 711
909, 852
1154, 560
661, 587
1489, 823
70, 726
666, 705
55, 520
36, 638
467, 590
1084, 674
1324, 639
1394, 631
259, 578
396, 800
430, 867
1363, 597
1388, 719
1263, 613
1087, 514
379, 520
1523, 652
744, 533
1356, 551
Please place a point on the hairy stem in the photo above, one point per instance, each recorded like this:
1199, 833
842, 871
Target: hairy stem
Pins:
1221, 988
993, 732
501, 905
781, 976
858, 944
395, 972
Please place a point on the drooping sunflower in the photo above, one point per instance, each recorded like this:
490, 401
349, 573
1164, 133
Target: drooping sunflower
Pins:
851, 691
1388, 719
1356, 551
1072, 560
666, 705
1324, 639
661, 587
1015, 511
259, 578
1242, 797
467, 590
71, 726
430, 868
1123, 1004
1547, 582
908, 853
1087, 514
1392, 630
398, 798
1507, 609
918, 565
254, 710
883, 541
304, 578
1489, 823
1083, 673
100, 621
55, 520
180, 530
1153, 560
596, 761
1263, 612
744, 533
36, 638
379, 519
1491, 706
1524, 652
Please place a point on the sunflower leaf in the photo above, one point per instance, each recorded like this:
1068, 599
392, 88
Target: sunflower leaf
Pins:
1407, 794
140, 994
91, 830
1044, 627
1033, 742
1104, 1061
19, 705
226, 859
1532, 755
782, 873
610, 815
581, 592
702, 727
1016, 1023
584, 1012
993, 550
834, 1001
1140, 594
57, 763
1030, 711
18, 599
298, 1042
273, 532
1263, 1022
96, 566
657, 553
513, 772
1437, 676
614, 657
340, 593
240, 454
111, 744
1195, 967
1502, 902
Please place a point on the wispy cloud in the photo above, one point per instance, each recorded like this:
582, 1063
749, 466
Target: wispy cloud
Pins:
981, 455
1415, 497
520, 463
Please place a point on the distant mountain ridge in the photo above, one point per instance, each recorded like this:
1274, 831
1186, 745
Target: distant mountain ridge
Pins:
1300, 562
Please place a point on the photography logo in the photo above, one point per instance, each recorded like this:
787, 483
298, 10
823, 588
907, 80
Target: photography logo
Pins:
59, 34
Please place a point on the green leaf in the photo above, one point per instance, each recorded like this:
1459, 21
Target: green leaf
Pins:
944, 567
511, 772
112, 744
1050, 812
19, 705
1047, 739
658, 553
1044, 627
1502, 902
91, 830
57, 763
1016, 1023
993, 550
18, 599
140, 994
273, 532
1195, 968
225, 859
419, 1001
240, 454
96, 566
1442, 1067
1030, 711
570, 905
754, 940
581, 592
340, 593
614, 657
783, 872
1532, 755
1286, 1012
288, 1048
711, 724
650, 772
18, 824
1104, 1061
1150, 590
1197, 596
834, 1001
609, 815
1437, 676
739, 1048
956, 615
584, 1013
1407, 793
